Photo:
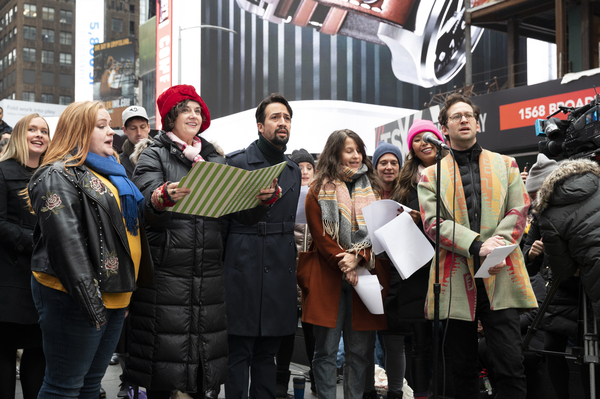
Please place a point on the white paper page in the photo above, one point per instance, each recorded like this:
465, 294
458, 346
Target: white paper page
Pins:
377, 215
300, 212
406, 246
369, 290
494, 258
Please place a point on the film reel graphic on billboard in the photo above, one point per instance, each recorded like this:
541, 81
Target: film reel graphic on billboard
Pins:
426, 38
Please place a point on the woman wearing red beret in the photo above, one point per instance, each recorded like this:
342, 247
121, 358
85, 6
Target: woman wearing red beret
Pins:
178, 335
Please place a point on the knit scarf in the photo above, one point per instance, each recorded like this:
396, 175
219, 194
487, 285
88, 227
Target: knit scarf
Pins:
131, 198
342, 211
191, 152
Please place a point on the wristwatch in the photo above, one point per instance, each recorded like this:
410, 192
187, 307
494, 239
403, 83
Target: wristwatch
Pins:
394, 12
431, 50
426, 37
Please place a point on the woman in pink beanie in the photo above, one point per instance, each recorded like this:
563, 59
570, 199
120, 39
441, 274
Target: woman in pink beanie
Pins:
406, 300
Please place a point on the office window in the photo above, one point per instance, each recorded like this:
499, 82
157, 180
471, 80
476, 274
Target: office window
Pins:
47, 57
65, 100
48, 13
66, 38
29, 32
28, 96
65, 59
28, 55
131, 8
131, 28
66, 17
47, 98
48, 35
10, 16
1, 64
117, 25
15, 33
65, 80
29, 76
48, 78
30, 10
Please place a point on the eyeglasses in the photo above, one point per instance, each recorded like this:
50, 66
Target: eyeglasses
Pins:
456, 118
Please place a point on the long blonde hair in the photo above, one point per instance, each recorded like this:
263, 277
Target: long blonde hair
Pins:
73, 134
17, 147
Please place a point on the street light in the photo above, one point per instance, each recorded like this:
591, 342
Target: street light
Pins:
194, 27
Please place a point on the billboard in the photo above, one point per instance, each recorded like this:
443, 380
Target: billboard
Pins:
426, 38
89, 31
114, 73
507, 118
164, 44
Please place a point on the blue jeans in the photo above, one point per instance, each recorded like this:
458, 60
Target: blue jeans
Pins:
77, 354
356, 345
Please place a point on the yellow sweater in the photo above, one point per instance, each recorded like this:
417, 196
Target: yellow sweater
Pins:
111, 300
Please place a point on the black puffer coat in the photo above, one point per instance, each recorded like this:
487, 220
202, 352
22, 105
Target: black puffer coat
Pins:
569, 218
406, 300
178, 326
16, 229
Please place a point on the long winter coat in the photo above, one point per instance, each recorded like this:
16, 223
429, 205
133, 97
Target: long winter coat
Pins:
406, 300
569, 218
504, 205
178, 325
322, 284
16, 229
260, 260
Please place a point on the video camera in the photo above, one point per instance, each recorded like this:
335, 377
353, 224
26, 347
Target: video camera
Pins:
576, 137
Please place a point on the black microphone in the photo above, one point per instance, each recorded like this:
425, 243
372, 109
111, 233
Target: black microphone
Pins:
433, 140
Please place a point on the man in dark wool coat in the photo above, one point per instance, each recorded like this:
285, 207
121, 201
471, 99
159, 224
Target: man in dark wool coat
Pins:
260, 262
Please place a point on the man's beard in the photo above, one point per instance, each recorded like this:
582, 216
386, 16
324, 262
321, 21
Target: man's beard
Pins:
279, 141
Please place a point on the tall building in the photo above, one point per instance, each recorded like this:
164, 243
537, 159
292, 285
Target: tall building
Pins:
37, 45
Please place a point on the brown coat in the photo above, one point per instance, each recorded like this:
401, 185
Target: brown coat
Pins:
321, 282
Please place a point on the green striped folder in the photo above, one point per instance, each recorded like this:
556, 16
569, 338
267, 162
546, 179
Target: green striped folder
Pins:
218, 190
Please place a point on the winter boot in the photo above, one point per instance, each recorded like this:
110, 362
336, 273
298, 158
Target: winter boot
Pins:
394, 395
283, 380
370, 395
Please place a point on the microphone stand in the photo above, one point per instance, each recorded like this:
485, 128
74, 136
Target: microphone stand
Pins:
436, 285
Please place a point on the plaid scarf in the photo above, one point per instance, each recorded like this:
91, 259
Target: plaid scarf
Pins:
342, 211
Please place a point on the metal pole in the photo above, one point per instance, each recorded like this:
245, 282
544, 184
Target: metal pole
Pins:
468, 55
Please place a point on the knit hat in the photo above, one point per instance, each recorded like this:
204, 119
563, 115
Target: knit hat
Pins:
176, 94
386, 148
538, 173
420, 126
302, 155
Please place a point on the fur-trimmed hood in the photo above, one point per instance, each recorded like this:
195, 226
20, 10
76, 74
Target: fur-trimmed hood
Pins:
567, 184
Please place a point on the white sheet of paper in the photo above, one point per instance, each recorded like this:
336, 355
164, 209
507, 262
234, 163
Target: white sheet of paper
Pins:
369, 290
377, 215
495, 257
300, 212
405, 244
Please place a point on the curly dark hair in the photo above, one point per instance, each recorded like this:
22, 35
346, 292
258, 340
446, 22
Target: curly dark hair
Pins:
450, 101
329, 168
171, 116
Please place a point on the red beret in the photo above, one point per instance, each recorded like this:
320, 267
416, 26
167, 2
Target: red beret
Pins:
176, 94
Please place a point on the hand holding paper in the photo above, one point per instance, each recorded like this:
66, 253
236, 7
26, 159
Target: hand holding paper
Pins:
497, 256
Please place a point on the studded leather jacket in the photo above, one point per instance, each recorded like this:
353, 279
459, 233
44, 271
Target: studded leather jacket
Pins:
80, 237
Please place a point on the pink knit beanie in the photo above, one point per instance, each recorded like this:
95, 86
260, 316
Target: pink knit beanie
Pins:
420, 126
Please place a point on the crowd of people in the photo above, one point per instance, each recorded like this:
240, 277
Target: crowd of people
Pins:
98, 269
